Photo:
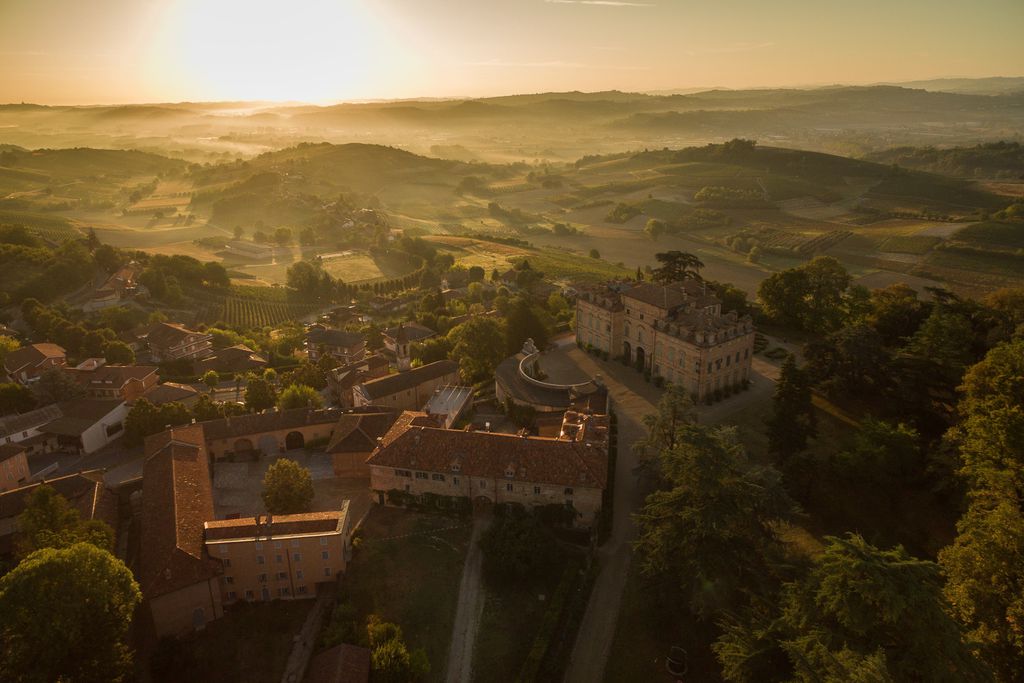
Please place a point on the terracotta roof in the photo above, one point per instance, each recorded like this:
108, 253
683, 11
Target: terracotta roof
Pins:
412, 331
81, 414
491, 455
84, 490
168, 335
270, 421
168, 392
347, 376
392, 384
31, 356
269, 526
330, 337
232, 359
177, 499
10, 450
113, 375
662, 296
340, 664
358, 432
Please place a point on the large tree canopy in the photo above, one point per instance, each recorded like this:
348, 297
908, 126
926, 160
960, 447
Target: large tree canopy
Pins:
287, 488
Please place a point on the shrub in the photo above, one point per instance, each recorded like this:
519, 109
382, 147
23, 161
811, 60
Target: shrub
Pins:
659, 381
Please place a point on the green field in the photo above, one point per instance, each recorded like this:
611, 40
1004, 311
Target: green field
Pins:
909, 244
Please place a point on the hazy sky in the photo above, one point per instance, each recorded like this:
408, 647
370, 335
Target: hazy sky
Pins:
99, 51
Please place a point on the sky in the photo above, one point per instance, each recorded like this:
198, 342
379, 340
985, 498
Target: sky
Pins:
132, 51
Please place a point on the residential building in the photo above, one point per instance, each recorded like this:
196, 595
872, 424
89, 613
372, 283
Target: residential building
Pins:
180, 582
408, 390
354, 437
341, 345
173, 341
406, 333
675, 331
27, 429
126, 382
271, 557
120, 286
85, 492
342, 379
14, 471
419, 457
171, 392
88, 424
234, 359
27, 364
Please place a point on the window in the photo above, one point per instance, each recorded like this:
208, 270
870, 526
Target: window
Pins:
229, 579
249, 595
508, 487
403, 473
641, 316
223, 550
746, 353
262, 578
298, 575
568, 491
737, 356
421, 475
266, 593
536, 490
728, 361
301, 590
260, 560
284, 591
437, 477
325, 555
259, 546
232, 595
483, 484
295, 544
323, 540
281, 576
327, 571
297, 557
227, 562
455, 481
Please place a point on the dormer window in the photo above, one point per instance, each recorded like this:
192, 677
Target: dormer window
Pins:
456, 467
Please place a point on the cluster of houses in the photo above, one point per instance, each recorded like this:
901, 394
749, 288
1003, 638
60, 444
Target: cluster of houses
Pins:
395, 429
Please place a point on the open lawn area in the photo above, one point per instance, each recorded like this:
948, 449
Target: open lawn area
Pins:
407, 570
250, 644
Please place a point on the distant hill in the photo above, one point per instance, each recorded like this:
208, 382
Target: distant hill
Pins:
996, 85
993, 160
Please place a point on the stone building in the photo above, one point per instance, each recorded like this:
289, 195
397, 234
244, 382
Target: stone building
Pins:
419, 457
675, 331
406, 390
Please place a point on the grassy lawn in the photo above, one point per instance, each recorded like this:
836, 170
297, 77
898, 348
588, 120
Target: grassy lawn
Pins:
407, 570
511, 617
250, 644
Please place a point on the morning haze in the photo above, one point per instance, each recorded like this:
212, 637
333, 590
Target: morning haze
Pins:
533, 340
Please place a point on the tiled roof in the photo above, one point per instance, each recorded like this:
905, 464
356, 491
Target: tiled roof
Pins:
662, 296
392, 384
412, 331
81, 414
270, 421
84, 490
358, 432
113, 375
232, 359
269, 526
9, 450
491, 455
12, 424
348, 375
177, 499
168, 335
331, 337
340, 664
168, 392
32, 356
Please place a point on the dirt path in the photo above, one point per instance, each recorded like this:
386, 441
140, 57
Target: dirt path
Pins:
469, 610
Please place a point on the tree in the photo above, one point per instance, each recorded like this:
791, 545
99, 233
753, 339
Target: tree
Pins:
862, 601
7, 344
67, 613
675, 411
15, 398
259, 394
299, 396
896, 313
676, 266
810, 297
309, 374
849, 362
56, 385
710, 536
655, 228
524, 321
476, 274
793, 421
390, 659
118, 353
517, 547
49, 521
479, 344
145, 419
211, 379
946, 338
287, 488
595, 254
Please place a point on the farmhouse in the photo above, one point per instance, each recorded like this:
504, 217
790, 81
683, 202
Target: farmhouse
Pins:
27, 364
234, 359
120, 286
339, 344
408, 390
675, 331
173, 341
126, 382
419, 457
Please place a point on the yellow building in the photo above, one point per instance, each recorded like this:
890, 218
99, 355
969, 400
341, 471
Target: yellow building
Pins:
675, 331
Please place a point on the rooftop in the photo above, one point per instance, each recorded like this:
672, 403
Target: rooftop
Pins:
32, 355
318, 334
358, 432
79, 415
340, 664
269, 421
165, 335
410, 331
10, 450
168, 392
264, 527
392, 384
84, 490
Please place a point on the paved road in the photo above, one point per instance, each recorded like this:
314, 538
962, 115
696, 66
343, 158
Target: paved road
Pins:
469, 610
632, 398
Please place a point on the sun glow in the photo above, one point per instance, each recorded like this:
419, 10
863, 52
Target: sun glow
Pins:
312, 51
